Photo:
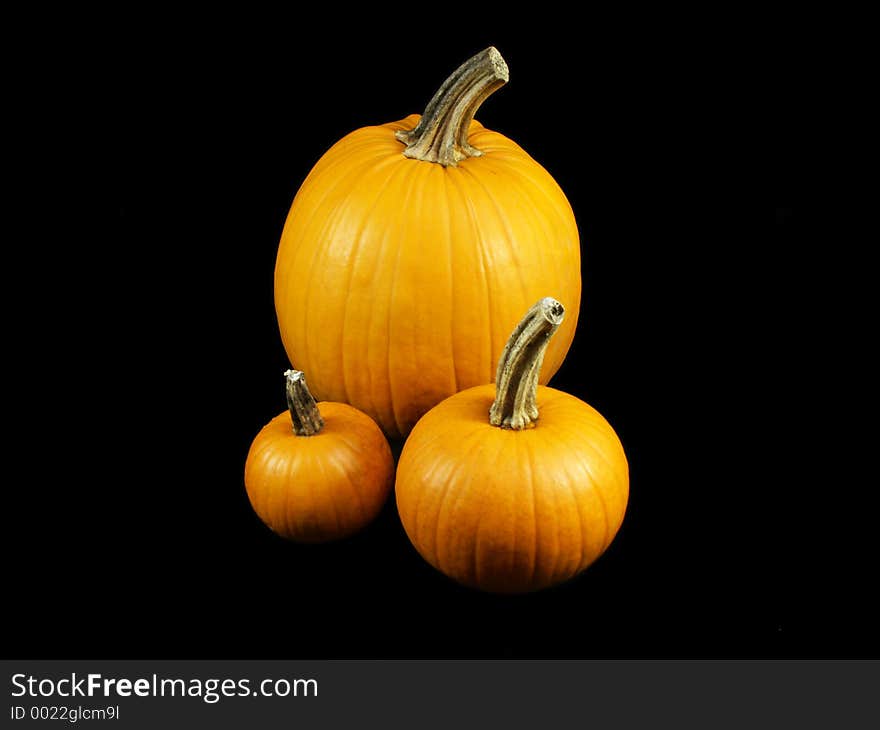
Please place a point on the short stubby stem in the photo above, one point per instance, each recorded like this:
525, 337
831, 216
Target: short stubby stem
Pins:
442, 133
304, 413
516, 381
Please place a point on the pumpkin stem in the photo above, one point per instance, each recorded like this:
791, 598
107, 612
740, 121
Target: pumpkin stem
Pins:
304, 413
441, 134
516, 382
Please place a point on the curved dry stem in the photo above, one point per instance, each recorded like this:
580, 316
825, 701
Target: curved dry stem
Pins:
516, 381
441, 134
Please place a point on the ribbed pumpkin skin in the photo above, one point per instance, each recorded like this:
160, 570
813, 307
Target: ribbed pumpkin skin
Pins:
512, 511
322, 487
398, 281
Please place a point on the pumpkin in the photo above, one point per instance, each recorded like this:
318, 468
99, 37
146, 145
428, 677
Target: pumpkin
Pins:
319, 471
513, 487
411, 250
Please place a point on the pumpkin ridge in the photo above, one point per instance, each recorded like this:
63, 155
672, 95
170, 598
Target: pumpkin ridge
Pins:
261, 493
484, 270
278, 500
565, 570
572, 491
337, 159
376, 410
597, 491
501, 147
355, 248
465, 490
580, 519
264, 446
340, 466
330, 218
540, 222
339, 155
332, 223
609, 535
451, 479
402, 125
536, 192
577, 432
343, 501
590, 443
436, 506
415, 453
530, 470
391, 301
427, 338
462, 209
557, 541
536, 221
482, 512
286, 514
326, 493
510, 239
450, 245
501, 446
350, 477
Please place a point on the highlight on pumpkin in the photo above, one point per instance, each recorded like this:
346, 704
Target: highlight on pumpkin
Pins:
317, 471
412, 247
513, 487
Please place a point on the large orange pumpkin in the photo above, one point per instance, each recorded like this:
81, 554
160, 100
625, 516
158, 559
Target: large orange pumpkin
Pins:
412, 248
513, 487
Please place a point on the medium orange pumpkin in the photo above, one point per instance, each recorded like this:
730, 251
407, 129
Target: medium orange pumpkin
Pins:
319, 471
412, 248
513, 487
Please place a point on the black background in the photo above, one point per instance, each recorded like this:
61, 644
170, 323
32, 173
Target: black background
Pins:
162, 158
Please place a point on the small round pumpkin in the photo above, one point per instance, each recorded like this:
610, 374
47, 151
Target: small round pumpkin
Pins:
413, 247
319, 471
513, 487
